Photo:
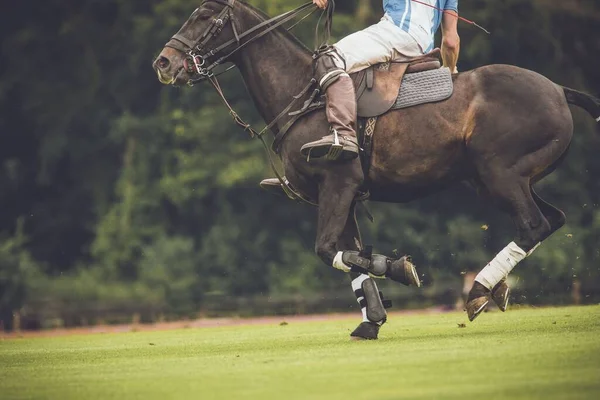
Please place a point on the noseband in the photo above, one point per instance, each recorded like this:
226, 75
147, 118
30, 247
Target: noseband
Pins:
196, 50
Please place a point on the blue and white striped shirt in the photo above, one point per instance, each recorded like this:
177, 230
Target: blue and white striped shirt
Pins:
418, 20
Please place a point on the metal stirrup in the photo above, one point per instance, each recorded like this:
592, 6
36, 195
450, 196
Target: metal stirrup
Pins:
335, 151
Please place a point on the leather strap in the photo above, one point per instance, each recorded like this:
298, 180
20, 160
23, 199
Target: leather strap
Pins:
370, 78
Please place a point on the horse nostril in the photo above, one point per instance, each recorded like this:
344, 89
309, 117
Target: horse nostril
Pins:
162, 62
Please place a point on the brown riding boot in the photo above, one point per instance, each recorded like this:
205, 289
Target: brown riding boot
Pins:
341, 144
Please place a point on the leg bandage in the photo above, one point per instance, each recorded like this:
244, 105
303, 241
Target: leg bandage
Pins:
501, 265
338, 263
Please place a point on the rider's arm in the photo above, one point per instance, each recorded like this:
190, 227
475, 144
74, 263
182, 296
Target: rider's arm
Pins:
450, 40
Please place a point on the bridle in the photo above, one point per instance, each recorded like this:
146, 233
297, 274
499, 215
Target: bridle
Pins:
196, 50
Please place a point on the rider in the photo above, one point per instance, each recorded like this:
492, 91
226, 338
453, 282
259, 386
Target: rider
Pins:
406, 31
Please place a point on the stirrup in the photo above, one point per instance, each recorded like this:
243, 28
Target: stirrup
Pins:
335, 151
332, 147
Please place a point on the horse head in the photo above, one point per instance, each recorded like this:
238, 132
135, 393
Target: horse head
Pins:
198, 47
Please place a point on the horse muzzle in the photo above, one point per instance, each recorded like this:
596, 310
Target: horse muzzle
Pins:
170, 67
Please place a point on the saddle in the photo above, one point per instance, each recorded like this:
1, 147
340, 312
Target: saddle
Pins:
377, 87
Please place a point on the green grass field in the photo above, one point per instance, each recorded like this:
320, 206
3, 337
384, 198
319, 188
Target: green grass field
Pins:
522, 354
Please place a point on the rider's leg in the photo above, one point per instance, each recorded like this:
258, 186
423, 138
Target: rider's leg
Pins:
381, 42
340, 109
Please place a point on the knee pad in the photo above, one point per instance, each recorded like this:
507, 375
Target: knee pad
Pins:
328, 66
379, 265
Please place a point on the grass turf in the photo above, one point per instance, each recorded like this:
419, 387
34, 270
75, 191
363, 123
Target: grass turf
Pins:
545, 354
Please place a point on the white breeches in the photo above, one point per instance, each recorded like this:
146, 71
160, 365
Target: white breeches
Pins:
382, 42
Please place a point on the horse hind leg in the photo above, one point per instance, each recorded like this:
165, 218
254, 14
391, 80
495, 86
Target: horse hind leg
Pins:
557, 219
516, 196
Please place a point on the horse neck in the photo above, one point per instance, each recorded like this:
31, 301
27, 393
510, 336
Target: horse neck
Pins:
274, 68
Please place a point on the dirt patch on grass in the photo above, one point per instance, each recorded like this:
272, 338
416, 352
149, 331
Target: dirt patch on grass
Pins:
199, 323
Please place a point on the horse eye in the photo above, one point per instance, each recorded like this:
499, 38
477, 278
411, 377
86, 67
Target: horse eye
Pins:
201, 13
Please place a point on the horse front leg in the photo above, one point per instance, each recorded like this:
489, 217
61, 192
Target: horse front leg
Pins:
336, 196
368, 296
339, 245
337, 191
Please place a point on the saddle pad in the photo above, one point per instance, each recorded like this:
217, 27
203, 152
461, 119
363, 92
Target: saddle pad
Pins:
424, 87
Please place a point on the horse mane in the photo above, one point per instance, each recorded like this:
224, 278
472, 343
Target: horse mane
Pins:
264, 16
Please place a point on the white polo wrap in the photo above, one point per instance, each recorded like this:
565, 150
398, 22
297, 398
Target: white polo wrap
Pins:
501, 265
339, 264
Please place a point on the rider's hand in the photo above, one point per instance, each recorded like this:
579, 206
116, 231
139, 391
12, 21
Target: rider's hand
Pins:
320, 3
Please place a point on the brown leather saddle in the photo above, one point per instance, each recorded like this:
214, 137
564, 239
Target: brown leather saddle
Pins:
377, 87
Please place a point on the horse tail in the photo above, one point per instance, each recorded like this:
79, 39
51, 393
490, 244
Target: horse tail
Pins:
583, 100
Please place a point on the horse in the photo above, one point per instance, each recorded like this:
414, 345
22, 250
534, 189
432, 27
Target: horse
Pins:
503, 129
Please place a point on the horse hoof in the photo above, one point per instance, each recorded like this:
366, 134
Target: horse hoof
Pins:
404, 271
479, 298
501, 294
365, 331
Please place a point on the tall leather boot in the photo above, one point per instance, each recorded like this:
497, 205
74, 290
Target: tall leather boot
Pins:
340, 108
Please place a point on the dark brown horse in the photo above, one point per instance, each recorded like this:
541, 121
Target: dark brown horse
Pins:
503, 129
